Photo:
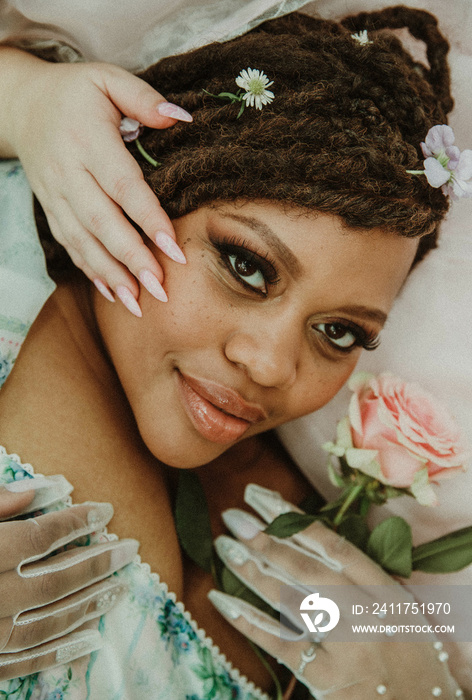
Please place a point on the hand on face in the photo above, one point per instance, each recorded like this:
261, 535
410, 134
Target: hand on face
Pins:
84, 177
264, 324
314, 557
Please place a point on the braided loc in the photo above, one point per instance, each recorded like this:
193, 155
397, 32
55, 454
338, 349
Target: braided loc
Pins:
345, 125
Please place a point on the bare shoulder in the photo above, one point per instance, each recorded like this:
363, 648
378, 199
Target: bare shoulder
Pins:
63, 410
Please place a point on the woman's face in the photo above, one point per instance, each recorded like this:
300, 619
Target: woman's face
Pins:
264, 324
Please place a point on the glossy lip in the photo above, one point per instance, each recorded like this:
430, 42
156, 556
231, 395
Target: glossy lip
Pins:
218, 413
226, 399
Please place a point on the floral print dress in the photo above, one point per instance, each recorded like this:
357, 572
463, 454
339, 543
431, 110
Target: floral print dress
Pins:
152, 649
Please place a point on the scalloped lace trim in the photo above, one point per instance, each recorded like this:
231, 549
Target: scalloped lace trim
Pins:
207, 641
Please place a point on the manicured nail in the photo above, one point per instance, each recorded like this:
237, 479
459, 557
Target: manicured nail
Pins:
168, 109
153, 285
232, 551
49, 490
124, 553
242, 524
26, 485
267, 503
128, 300
103, 289
226, 604
99, 515
168, 246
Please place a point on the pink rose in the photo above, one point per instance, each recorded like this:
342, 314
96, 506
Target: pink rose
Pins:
416, 439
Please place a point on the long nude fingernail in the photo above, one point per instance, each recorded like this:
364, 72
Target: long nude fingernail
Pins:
103, 289
49, 490
227, 605
123, 553
168, 246
99, 515
169, 109
242, 524
128, 300
267, 503
232, 551
153, 285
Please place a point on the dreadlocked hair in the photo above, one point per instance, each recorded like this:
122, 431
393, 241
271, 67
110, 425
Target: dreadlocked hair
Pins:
346, 123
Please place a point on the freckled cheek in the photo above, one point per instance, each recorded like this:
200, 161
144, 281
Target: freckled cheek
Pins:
317, 386
194, 313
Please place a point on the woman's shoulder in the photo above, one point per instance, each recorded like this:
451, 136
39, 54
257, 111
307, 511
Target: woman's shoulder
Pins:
151, 645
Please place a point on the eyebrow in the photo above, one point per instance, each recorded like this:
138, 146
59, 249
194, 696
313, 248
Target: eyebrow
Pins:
294, 266
267, 235
366, 312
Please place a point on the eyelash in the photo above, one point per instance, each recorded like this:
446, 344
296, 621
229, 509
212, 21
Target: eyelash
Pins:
365, 339
368, 340
242, 250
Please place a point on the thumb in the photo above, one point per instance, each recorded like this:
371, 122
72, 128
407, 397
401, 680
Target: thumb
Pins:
137, 99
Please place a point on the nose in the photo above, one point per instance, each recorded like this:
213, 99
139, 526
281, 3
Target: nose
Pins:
269, 356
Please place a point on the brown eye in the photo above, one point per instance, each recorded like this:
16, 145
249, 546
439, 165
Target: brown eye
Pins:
337, 334
248, 270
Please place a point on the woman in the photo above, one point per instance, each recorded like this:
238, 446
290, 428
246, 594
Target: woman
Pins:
289, 273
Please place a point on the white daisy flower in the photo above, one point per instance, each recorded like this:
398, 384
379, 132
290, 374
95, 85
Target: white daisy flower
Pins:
255, 83
362, 37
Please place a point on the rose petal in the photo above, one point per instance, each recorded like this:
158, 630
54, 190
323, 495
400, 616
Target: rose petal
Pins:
399, 466
343, 433
359, 380
365, 461
422, 489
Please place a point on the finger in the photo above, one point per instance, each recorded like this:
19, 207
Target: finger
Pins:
325, 674
137, 99
121, 178
61, 575
37, 494
100, 243
270, 504
334, 551
48, 655
262, 629
13, 503
256, 571
28, 540
63, 617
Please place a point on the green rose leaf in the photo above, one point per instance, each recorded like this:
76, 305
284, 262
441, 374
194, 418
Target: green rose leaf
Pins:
446, 554
355, 529
192, 520
288, 524
390, 545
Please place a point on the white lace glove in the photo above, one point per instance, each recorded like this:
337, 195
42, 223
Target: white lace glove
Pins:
318, 556
45, 596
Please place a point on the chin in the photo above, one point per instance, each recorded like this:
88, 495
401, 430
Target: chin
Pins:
183, 453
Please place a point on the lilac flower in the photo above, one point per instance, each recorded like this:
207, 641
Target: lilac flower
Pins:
130, 129
445, 165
